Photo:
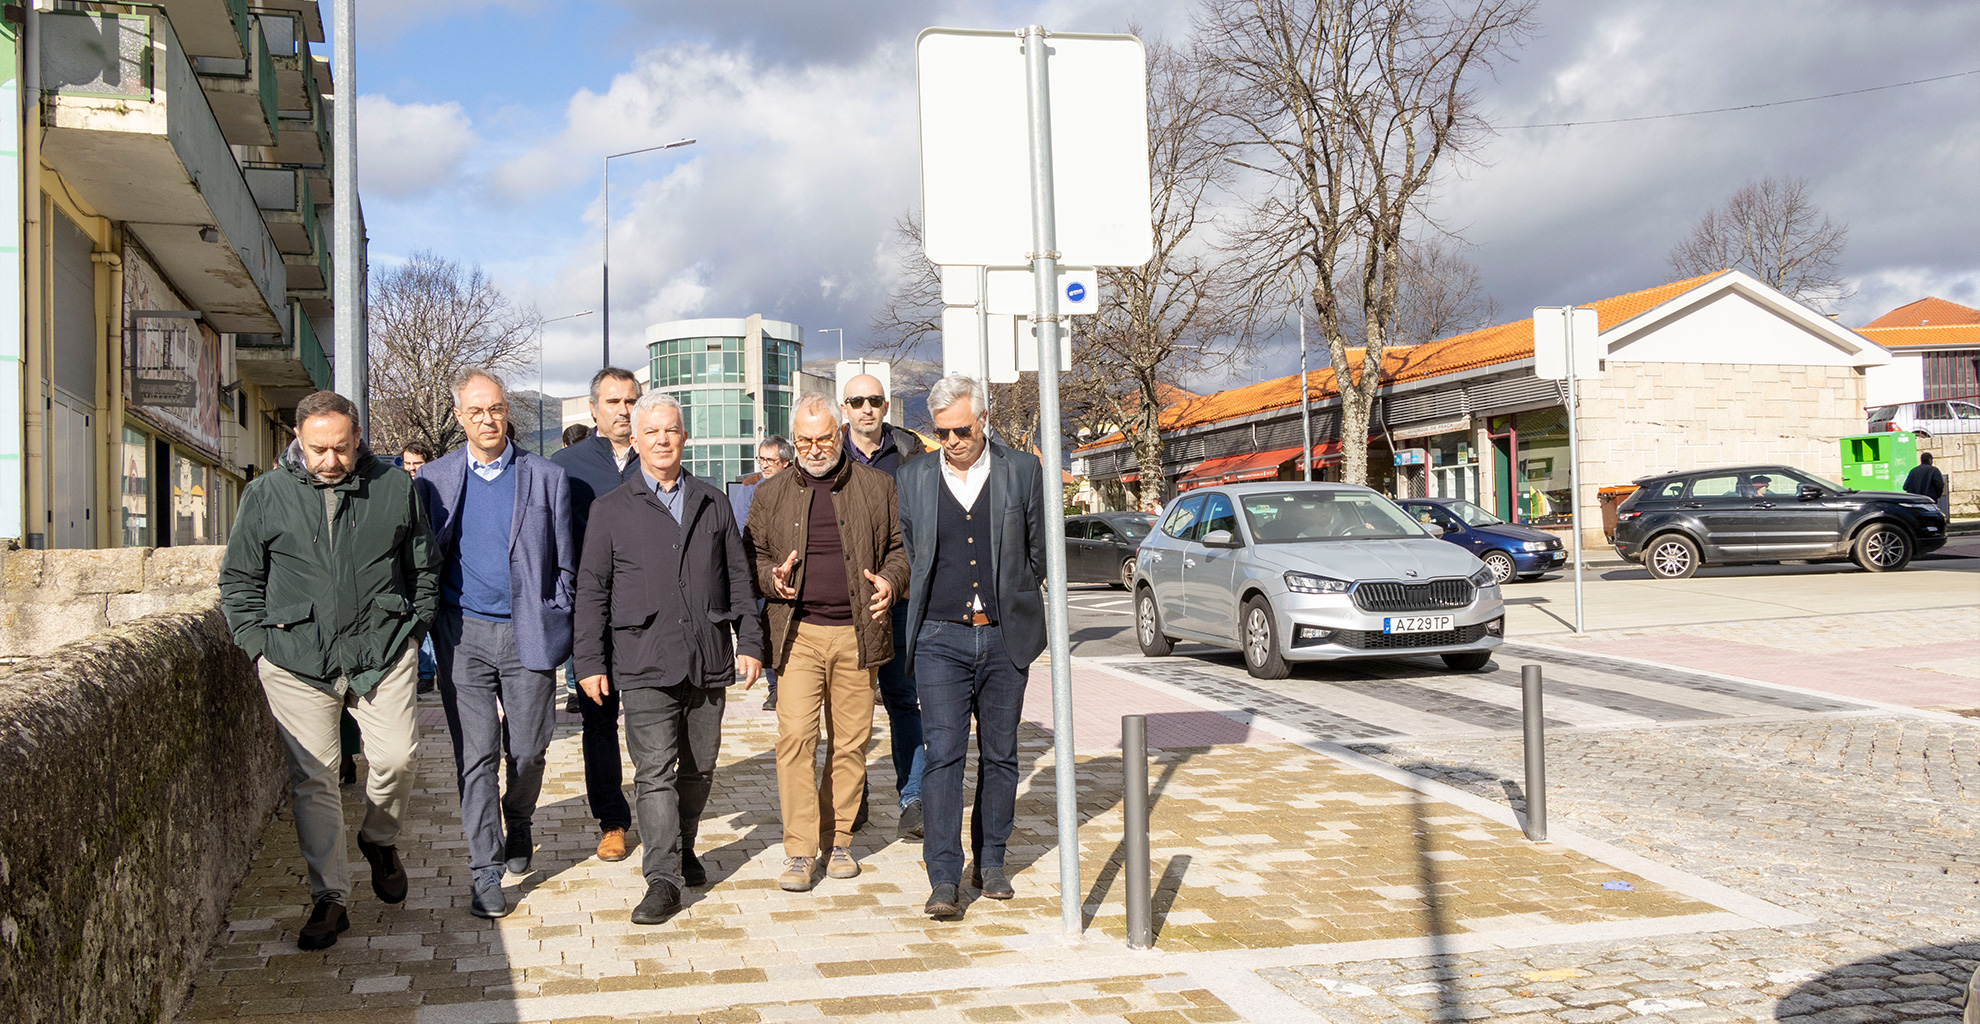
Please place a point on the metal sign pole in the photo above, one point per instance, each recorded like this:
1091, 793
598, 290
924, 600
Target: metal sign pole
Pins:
351, 370
1305, 408
1045, 277
983, 328
1574, 470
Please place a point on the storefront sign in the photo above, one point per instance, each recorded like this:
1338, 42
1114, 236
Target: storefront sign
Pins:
168, 391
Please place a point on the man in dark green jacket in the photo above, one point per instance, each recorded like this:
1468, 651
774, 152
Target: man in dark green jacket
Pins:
330, 580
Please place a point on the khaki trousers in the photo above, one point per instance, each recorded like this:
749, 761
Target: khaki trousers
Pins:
307, 719
822, 682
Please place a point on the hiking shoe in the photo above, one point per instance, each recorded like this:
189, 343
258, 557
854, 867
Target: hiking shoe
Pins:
662, 901
911, 823
325, 921
800, 874
842, 864
388, 875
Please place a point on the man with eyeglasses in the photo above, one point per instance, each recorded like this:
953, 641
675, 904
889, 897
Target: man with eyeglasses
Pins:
774, 454
974, 525
826, 546
873, 441
502, 519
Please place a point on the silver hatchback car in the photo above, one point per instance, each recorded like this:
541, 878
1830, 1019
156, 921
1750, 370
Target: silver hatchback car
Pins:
1289, 572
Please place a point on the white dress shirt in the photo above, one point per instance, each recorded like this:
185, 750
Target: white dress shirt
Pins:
967, 484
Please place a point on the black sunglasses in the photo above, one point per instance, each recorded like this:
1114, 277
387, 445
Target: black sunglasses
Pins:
858, 401
942, 433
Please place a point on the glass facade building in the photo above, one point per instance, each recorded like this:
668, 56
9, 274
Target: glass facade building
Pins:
730, 400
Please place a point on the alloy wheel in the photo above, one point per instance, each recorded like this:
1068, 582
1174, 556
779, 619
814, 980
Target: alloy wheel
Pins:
1672, 558
1145, 620
1501, 565
1884, 549
1257, 636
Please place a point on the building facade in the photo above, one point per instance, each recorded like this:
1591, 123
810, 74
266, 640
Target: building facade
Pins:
736, 380
170, 170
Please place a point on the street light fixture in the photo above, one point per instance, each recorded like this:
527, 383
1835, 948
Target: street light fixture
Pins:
842, 340
605, 266
539, 371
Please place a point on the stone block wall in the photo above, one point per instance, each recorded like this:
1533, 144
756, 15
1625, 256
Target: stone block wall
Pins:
1958, 457
48, 598
139, 767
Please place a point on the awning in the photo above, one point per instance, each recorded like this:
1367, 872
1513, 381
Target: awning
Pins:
1235, 469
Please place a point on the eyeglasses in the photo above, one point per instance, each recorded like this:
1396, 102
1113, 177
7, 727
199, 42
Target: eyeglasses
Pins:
942, 433
861, 401
813, 444
493, 412
769, 462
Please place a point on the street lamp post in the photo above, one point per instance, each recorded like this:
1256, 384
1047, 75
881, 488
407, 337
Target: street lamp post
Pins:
842, 340
539, 371
605, 265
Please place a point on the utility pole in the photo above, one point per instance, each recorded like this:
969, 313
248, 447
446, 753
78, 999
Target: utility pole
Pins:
352, 373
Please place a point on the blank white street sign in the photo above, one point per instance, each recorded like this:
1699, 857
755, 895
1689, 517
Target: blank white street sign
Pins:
1551, 331
1011, 292
961, 353
1027, 349
959, 286
975, 169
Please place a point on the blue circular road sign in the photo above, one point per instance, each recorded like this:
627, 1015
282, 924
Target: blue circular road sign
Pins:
1075, 292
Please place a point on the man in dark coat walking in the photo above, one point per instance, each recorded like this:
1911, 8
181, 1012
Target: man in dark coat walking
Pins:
329, 582
666, 618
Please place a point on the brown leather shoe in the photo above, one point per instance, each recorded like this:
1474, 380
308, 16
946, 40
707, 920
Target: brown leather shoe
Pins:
612, 845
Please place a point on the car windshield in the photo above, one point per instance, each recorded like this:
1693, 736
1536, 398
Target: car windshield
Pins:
1135, 527
1883, 413
1824, 484
1283, 517
1472, 514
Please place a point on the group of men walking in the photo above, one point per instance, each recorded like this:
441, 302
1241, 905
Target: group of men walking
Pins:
863, 568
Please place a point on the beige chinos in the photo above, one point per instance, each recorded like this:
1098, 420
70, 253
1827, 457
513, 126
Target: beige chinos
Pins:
307, 719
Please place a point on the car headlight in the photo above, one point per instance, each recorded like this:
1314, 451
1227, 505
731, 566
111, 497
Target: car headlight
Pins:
1308, 583
1483, 577
1538, 545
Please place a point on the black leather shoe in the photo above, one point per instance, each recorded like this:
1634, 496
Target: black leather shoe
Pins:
325, 922
992, 883
662, 901
388, 876
911, 824
517, 851
692, 872
943, 902
487, 899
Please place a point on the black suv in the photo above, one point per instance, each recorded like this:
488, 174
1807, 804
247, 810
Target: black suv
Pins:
1735, 515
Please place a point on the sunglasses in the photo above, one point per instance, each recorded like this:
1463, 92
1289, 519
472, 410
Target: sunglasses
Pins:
942, 433
862, 401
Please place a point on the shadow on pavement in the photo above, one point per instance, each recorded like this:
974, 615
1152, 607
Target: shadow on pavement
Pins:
1924, 982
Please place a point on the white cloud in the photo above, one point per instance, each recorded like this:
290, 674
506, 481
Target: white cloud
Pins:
409, 149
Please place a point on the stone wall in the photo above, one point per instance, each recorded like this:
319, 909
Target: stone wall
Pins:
1958, 457
48, 598
139, 767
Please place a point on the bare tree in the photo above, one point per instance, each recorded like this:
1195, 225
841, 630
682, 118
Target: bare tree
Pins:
1772, 229
1353, 106
430, 319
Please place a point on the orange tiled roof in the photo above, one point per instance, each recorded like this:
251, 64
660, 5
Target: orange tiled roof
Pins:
1490, 346
1930, 310
1914, 337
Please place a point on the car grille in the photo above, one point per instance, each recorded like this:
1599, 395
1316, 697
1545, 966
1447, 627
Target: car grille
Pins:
1375, 640
1412, 597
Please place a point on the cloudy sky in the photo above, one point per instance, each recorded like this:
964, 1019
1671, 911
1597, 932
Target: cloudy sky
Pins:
482, 124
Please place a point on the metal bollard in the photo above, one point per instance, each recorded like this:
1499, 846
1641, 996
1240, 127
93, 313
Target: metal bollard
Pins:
1134, 807
1536, 754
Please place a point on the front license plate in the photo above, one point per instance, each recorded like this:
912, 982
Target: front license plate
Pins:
1419, 624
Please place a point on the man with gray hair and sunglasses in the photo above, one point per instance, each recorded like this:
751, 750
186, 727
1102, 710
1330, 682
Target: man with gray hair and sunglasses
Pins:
974, 525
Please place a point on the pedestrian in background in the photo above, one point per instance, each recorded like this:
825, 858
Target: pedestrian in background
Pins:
974, 525
825, 541
329, 580
412, 456
1930, 481
774, 454
501, 516
666, 619
597, 466
574, 433
873, 441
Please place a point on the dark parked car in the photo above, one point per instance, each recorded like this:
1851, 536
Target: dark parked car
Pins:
1100, 548
1511, 551
1736, 515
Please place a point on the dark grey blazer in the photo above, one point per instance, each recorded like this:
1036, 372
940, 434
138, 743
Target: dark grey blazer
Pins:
1015, 494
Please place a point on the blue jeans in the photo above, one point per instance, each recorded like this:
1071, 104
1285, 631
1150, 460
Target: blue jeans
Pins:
903, 715
962, 671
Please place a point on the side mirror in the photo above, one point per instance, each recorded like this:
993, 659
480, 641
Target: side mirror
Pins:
1810, 492
1220, 539
1435, 530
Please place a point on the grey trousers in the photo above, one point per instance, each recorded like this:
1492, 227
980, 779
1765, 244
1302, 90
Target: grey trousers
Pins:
493, 705
307, 719
674, 734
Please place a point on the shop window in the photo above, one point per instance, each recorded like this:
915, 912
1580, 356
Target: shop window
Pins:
1542, 470
134, 498
195, 502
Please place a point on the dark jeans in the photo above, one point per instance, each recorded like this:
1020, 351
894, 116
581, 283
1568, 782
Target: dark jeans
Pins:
604, 780
962, 671
903, 714
479, 671
674, 733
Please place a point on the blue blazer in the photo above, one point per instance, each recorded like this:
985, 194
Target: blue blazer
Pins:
542, 551
1015, 495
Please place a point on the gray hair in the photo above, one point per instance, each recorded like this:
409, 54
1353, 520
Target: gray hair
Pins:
470, 374
954, 388
785, 450
660, 400
612, 373
813, 402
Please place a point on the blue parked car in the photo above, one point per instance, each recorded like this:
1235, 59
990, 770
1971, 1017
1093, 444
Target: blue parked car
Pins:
1511, 551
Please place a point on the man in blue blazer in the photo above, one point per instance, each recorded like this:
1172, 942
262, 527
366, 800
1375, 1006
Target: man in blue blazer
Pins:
502, 519
973, 522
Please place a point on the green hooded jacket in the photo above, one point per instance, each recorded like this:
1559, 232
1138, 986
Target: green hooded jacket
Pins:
330, 585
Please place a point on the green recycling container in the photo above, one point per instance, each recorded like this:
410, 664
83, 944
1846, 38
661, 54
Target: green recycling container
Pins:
1878, 462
